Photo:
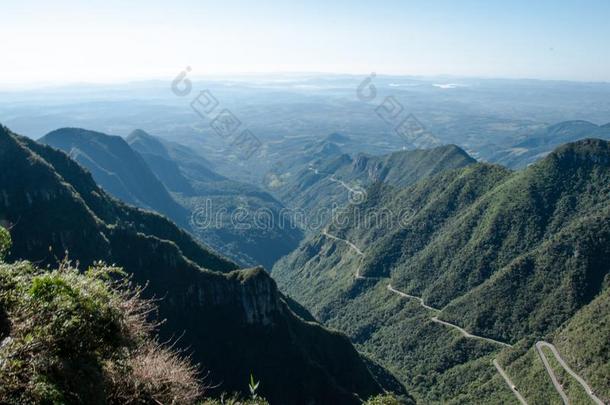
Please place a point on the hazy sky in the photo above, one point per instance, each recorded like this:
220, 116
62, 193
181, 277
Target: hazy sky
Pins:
70, 41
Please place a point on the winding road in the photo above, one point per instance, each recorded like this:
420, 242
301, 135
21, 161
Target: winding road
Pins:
539, 345
402, 294
551, 373
428, 307
356, 193
350, 244
358, 252
421, 301
470, 335
344, 184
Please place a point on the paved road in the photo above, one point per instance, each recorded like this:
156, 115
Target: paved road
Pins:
470, 335
509, 382
421, 301
336, 180
358, 252
435, 319
428, 307
551, 373
354, 192
350, 244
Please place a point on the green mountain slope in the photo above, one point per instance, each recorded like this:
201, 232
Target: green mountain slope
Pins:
584, 340
234, 322
163, 158
39, 174
508, 256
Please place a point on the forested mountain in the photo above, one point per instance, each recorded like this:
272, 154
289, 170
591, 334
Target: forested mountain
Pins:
509, 256
294, 160
176, 182
234, 322
332, 180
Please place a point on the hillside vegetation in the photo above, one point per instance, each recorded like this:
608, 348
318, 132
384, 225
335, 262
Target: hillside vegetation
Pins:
584, 340
511, 256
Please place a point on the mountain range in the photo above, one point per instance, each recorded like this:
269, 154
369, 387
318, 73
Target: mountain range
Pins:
462, 280
235, 323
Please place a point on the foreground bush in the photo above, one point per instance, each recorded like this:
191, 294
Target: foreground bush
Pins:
67, 337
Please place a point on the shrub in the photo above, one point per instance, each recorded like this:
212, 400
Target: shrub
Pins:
84, 338
152, 371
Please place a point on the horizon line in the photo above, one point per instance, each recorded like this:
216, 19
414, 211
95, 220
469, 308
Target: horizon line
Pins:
218, 76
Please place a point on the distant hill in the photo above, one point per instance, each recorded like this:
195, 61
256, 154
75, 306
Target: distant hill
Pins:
198, 188
163, 158
120, 171
511, 256
336, 137
294, 161
235, 323
159, 160
535, 146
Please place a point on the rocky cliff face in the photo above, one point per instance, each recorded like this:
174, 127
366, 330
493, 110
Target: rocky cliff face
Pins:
252, 290
259, 298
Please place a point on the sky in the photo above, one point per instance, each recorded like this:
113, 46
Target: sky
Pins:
68, 41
